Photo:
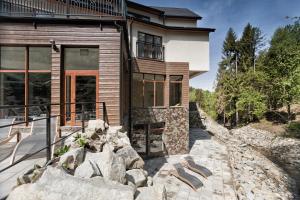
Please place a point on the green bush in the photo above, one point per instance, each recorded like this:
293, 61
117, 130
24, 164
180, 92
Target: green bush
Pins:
293, 129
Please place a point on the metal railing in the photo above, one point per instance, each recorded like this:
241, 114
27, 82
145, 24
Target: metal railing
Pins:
150, 51
48, 117
63, 8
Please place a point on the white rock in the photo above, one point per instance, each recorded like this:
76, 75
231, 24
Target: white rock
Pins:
131, 157
157, 192
72, 159
57, 185
112, 167
98, 125
137, 177
87, 169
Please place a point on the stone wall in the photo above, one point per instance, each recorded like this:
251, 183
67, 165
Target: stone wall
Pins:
254, 175
176, 130
283, 151
194, 116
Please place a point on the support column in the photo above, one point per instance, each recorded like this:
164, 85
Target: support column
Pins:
56, 82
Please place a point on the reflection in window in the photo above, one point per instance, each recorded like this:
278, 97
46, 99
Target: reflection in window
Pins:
148, 94
12, 87
81, 58
39, 58
137, 92
39, 88
148, 90
12, 58
176, 90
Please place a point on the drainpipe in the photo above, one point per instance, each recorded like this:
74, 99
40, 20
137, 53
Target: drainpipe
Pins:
130, 63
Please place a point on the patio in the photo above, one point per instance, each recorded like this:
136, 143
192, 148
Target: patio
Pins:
206, 151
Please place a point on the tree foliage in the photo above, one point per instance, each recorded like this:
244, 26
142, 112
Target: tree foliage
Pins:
251, 81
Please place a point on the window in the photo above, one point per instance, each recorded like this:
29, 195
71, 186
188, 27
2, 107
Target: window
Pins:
148, 90
14, 73
150, 46
176, 90
81, 58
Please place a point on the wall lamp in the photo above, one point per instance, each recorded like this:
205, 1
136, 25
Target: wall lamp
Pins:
53, 45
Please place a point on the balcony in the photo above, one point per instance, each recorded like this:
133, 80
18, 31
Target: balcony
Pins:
150, 51
68, 9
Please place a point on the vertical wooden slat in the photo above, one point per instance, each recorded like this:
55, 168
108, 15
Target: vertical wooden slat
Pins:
26, 85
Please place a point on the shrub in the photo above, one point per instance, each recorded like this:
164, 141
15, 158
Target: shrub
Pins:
62, 150
293, 129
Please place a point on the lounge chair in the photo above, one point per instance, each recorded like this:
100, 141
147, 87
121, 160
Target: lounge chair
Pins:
36, 140
191, 165
6, 131
6, 134
182, 175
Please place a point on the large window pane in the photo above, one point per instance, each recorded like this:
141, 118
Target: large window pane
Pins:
175, 94
137, 91
39, 92
12, 92
12, 58
39, 58
39, 88
81, 58
149, 94
159, 94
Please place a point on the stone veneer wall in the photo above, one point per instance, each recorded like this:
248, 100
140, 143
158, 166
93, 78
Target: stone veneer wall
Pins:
176, 130
194, 116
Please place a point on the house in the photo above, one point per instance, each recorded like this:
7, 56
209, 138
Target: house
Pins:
114, 59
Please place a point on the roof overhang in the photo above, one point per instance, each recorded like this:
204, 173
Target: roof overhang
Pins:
194, 74
175, 28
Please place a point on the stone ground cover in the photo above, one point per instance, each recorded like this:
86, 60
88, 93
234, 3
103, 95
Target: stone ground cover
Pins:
206, 151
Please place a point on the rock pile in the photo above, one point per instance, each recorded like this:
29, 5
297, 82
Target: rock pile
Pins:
255, 176
99, 165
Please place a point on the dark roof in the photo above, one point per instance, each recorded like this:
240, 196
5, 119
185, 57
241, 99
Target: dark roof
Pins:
174, 28
178, 12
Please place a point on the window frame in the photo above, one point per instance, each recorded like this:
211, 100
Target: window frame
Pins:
26, 71
154, 89
176, 82
153, 45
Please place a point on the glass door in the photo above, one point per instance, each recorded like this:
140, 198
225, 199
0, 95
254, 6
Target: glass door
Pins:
80, 90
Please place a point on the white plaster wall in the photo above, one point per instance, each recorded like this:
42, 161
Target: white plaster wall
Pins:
180, 46
192, 47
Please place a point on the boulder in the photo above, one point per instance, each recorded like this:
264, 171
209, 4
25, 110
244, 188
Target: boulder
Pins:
149, 181
72, 159
55, 184
98, 126
131, 157
97, 145
117, 139
157, 192
31, 176
137, 177
111, 166
87, 169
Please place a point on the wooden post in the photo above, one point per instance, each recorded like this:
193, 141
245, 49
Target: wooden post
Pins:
26, 85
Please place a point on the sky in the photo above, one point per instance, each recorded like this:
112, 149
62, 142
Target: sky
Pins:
268, 15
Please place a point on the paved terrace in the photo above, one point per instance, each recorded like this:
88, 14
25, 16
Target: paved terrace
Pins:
206, 151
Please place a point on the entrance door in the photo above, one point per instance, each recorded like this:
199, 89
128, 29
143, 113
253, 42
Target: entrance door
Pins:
81, 89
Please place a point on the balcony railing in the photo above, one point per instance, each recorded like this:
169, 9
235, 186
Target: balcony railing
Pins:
85, 9
150, 51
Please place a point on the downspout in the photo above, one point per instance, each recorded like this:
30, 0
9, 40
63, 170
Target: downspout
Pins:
130, 63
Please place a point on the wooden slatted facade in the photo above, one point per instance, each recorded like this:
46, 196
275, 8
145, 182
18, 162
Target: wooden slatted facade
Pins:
107, 39
168, 69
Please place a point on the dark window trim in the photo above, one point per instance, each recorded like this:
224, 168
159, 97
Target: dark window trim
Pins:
178, 82
160, 52
154, 87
